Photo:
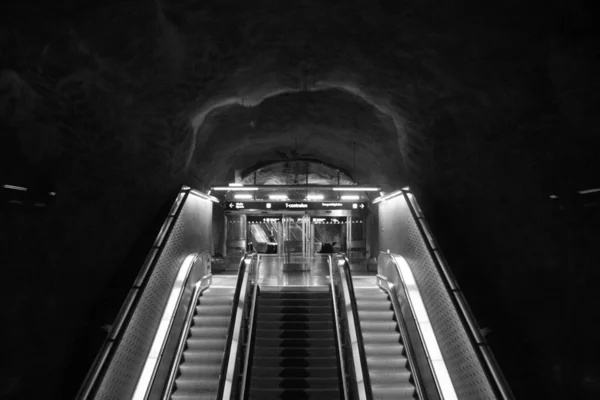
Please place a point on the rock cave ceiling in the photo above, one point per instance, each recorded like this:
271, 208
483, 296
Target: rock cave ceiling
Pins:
195, 90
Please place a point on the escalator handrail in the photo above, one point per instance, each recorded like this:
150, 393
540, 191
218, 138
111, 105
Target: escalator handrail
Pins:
202, 285
102, 360
337, 326
480, 344
233, 330
359, 359
441, 375
390, 289
250, 337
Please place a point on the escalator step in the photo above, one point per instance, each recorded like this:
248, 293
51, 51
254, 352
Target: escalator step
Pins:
366, 316
213, 310
181, 396
204, 344
208, 331
204, 371
202, 356
212, 320
381, 337
383, 350
216, 300
379, 326
196, 386
388, 374
396, 391
373, 304
377, 362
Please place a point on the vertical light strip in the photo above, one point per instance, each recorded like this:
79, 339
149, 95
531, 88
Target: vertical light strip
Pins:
143, 386
432, 348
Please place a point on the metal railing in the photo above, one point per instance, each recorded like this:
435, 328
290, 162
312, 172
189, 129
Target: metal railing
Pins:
479, 343
250, 334
337, 324
235, 335
361, 379
100, 364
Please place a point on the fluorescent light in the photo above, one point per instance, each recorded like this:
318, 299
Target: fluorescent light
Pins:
243, 196
52, 193
204, 196
13, 187
588, 191
356, 189
315, 197
350, 197
236, 184
387, 196
235, 188
278, 197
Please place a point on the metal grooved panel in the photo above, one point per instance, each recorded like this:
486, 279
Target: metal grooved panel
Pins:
467, 373
190, 234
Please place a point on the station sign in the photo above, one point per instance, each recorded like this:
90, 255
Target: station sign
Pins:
293, 206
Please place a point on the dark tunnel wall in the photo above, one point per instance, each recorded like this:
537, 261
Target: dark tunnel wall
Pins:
492, 108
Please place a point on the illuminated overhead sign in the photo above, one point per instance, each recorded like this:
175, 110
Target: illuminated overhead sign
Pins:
293, 206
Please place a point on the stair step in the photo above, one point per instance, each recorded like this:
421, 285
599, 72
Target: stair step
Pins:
295, 352
307, 325
312, 310
286, 302
294, 372
294, 333
295, 383
312, 394
294, 343
295, 362
295, 295
274, 317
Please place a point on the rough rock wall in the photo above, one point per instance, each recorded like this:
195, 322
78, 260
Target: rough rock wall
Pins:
486, 110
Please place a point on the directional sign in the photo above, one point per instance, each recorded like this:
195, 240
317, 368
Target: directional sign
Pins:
294, 206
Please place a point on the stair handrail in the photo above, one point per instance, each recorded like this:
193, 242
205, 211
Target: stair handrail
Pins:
250, 337
202, 285
391, 291
337, 327
359, 359
232, 345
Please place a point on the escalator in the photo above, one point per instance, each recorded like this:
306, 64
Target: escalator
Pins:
200, 364
295, 353
261, 241
387, 364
